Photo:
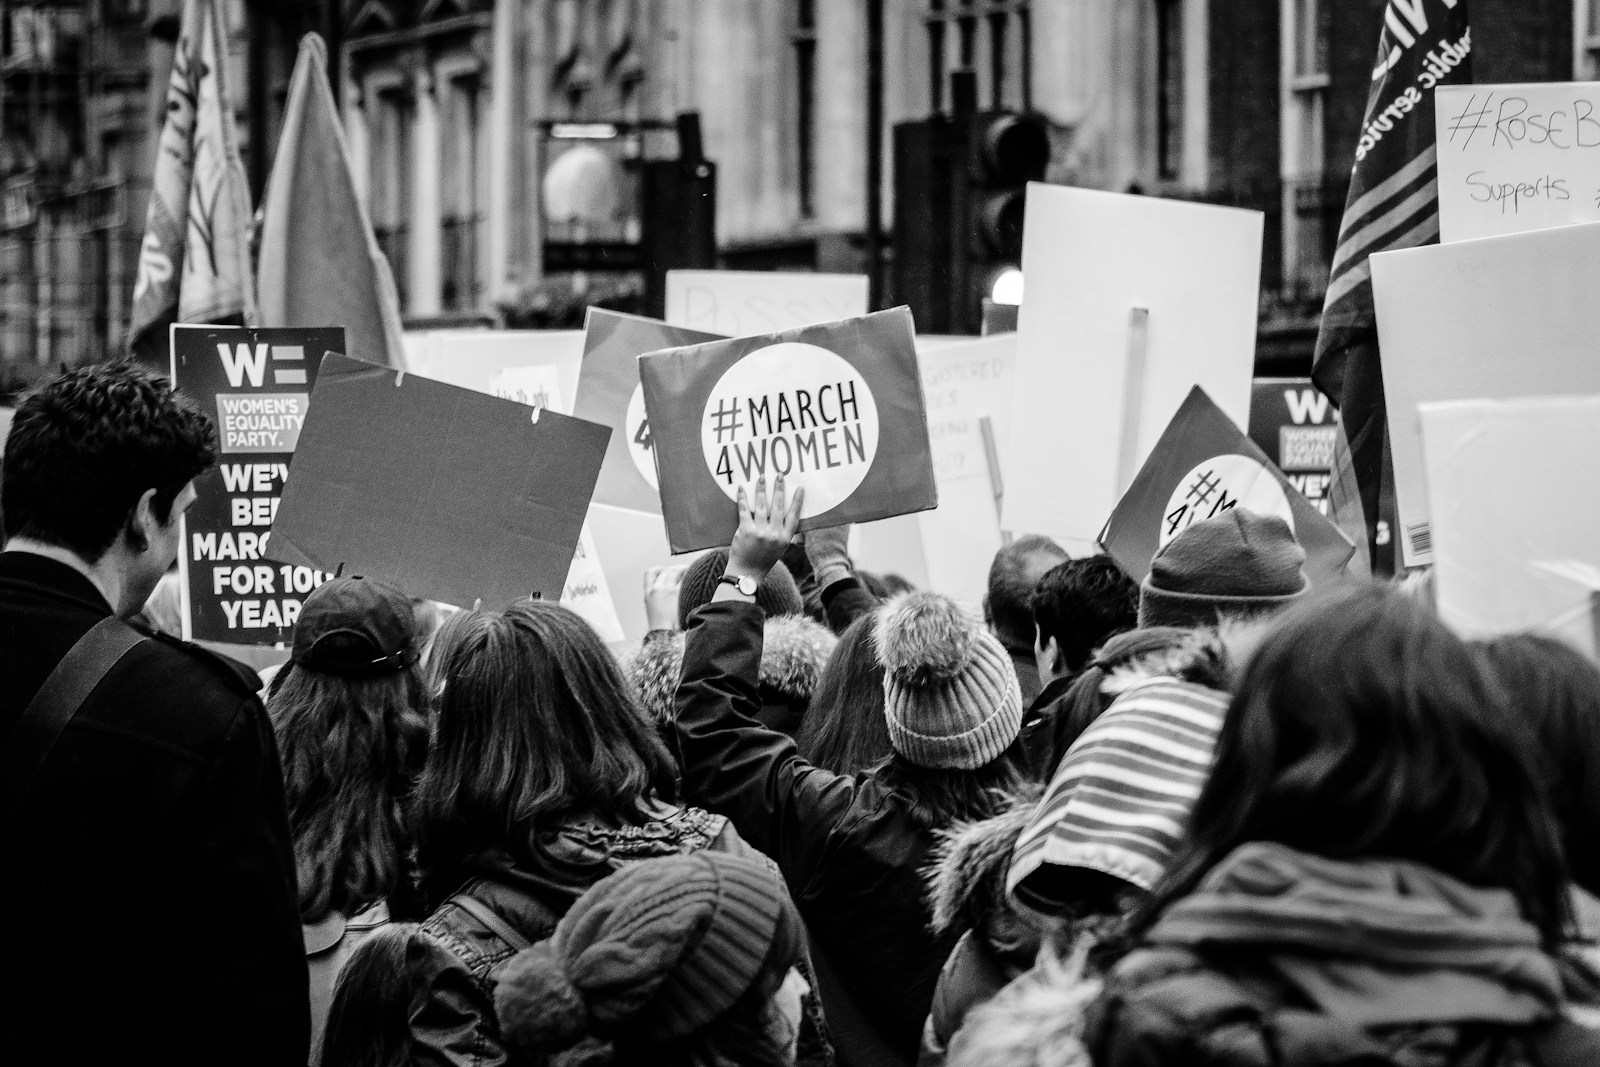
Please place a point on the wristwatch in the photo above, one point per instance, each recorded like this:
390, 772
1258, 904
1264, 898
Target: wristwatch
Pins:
744, 583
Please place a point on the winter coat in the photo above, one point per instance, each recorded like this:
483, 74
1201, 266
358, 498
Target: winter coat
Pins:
1282, 959
452, 957
794, 651
851, 849
330, 942
150, 857
966, 892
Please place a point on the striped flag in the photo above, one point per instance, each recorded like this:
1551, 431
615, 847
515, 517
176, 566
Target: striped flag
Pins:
1393, 203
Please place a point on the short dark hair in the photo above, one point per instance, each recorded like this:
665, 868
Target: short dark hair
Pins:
1082, 603
1015, 572
1363, 727
88, 444
1557, 690
533, 722
351, 750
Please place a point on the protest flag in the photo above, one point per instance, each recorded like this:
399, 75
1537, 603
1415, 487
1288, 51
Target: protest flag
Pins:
194, 261
320, 262
1393, 203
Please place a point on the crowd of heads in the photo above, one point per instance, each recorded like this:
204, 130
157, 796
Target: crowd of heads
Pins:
1215, 713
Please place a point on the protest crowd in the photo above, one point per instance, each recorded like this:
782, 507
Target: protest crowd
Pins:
816, 817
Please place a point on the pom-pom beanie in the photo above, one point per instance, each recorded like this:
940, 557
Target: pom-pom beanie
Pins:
950, 692
651, 954
777, 594
1235, 563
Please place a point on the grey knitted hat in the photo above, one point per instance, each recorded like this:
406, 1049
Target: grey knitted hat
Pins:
950, 692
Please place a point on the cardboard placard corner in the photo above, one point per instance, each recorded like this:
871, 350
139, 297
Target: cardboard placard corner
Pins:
257, 385
1514, 543
1203, 466
1132, 300
451, 494
837, 409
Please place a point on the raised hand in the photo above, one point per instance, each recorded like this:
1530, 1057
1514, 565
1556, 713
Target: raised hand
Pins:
766, 526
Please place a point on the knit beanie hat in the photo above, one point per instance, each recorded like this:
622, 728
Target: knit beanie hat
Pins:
1236, 562
950, 692
651, 954
777, 594
1119, 803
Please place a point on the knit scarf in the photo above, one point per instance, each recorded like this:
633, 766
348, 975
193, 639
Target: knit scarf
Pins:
1374, 942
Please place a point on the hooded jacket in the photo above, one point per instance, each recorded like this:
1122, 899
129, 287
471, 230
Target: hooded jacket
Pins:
966, 894
452, 957
794, 652
1283, 959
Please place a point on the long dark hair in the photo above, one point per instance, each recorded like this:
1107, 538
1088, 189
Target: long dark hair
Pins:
844, 729
351, 750
941, 797
1364, 728
533, 721
369, 1019
1557, 690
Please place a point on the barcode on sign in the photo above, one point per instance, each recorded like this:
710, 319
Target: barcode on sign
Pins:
1419, 537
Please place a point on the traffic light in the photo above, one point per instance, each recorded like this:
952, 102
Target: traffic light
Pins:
960, 189
1004, 152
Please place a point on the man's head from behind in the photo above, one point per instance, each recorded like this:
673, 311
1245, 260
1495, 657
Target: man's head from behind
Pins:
1015, 572
1077, 606
97, 458
1235, 565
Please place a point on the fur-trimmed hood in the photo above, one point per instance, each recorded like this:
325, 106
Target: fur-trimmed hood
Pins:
1037, 1020
1198, 656
966, 871
794, 651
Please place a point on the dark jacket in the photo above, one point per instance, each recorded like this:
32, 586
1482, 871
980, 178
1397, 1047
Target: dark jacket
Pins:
150, 880
850, 849
1280, 959
453, 955
966, 890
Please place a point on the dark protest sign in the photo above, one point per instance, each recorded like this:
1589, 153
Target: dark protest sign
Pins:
609, 393
1201, 467
836, 408
448, 493
257, 385
1293, 422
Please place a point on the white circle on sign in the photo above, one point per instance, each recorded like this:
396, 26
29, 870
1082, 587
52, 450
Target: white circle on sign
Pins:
793, 409
1221, 484
641, 446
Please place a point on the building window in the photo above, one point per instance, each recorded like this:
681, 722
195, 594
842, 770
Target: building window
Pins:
461, 217
391, 180
805, 74
1169, 88
987, 37
1311, 204
1588, 39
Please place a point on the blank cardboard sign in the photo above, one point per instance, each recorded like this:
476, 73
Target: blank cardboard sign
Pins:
1492, 319
450, 494
1096, 384
1516, 526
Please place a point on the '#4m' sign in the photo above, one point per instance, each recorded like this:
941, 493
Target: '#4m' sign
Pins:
258, 385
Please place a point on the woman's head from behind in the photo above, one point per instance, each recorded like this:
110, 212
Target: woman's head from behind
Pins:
1557, 689
1364, 728
533, 720
349, 711
844, 729
679, 960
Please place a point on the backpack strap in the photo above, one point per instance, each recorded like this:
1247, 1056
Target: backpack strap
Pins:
35, 733
489, 918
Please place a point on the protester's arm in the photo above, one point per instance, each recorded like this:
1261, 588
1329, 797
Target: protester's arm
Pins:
249, 957
731, 763
661, 588
844, 598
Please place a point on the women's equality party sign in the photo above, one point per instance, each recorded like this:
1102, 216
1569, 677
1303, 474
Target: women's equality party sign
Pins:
835, 408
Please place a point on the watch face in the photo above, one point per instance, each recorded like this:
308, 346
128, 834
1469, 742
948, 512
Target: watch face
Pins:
747, 586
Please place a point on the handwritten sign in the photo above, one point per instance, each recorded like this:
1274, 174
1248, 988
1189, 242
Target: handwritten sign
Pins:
740, 303
1514, 158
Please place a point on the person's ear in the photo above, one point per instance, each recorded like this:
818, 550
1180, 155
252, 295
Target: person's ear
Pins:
142, 521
